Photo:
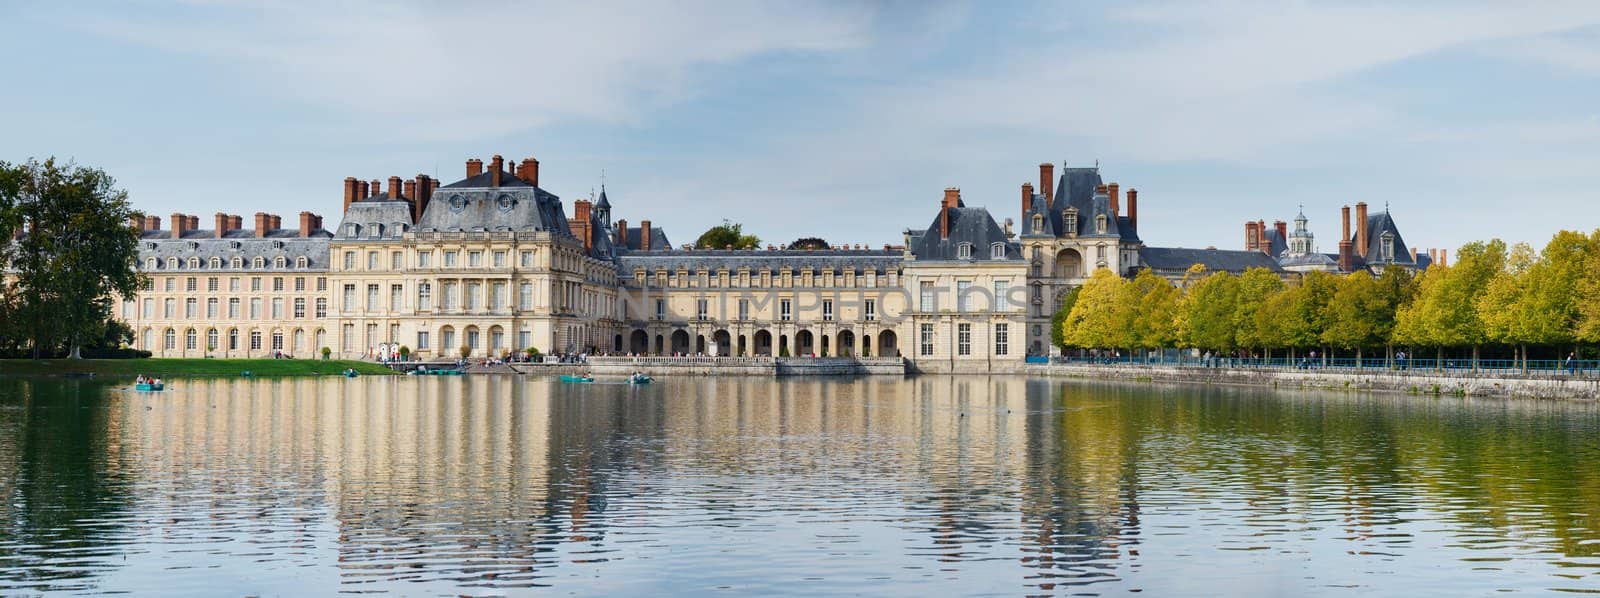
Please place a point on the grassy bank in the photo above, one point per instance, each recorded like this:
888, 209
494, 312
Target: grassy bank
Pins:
175, 368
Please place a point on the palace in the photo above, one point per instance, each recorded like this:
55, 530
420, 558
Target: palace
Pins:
492, 264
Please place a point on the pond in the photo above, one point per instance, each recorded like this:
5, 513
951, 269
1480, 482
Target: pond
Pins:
934, 485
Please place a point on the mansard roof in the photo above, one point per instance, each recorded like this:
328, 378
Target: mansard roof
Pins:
248, 247
1378, 224
1276, 244
837, 260
473, 205
967, 225
375, 218
658, 239
1215, 260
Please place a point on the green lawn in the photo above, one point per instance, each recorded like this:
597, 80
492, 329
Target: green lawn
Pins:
170, 368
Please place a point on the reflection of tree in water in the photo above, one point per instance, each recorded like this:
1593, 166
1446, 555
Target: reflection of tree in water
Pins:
61, 486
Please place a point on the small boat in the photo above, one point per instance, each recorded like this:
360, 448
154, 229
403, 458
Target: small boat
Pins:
350, 373
567, 378
640, 379
146, 387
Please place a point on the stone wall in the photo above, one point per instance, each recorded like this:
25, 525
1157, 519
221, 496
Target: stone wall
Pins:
1407, 382
738, 366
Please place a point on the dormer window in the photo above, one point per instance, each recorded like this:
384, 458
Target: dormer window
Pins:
457, 203
1100, 224
1038, 223
964, 251
301, 262
505, 203
1388, 246
997, 251
1070, 219
236, 263
280, 263
172, 263
149, 263
215, 263
194, 263
258, 263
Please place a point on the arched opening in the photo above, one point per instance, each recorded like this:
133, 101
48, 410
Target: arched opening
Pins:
639, 342
847, 343
299, 345
616, 344
660, 345
783, 345
473, 340
497, 340
744, 348
826, 349
866, 345
699, 344
887, 345
721, 343
1069, 264
763, 343
680, 342
804, 344
447, 342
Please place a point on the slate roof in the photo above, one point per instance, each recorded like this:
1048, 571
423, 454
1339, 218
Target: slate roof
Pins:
472, 205
290, 246
967, 225
1377, 224
658, 239
1077, 188
1309, 259
839, 260
381, 218
244, 233
1216, 260
1276, 244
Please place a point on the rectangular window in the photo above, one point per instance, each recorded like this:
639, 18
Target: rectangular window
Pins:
396, 297
474, 295
211, 308
927, 304
1002, 299
1002, 339
171, 284
211, 284
963, 296
661, 309
497, 295
527, 259
526, 296
299, 284
277, 284
744, 309
424, 260
449, 259
397, 260
191, 308
870, 310
277, 341
372, 297
255, 284
527, 339
255, 308
322, 284
450, 295
149, 308
349, 260
474, 259
424, 296
926, 340
827, 310
499, 259
277, 308
372, 260
233, 284
785, 310
233, 308
299, 307
700, 309
255, 340
963, 339
191, 284
349, 297
322, 307
422, 339
349, 337
169, 309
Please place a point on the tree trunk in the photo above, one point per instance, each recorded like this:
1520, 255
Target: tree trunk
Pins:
1474, 358
1358, 358
75, 354
1438, 359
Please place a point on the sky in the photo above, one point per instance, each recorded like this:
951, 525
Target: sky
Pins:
843, 120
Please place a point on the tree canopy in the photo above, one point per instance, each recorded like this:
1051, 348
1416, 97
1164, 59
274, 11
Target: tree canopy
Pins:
808, 243
728, 235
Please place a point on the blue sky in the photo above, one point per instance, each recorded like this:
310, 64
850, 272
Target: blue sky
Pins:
841, 120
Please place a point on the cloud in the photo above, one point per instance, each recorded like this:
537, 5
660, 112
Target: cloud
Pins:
466, 70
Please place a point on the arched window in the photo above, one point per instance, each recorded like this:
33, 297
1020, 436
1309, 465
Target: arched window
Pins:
214, 263
280, 262
171, 340
191, 340
997, 251
149, 263
258, 263
211, 339
194, 263
302, 262
236, 263
964, 251
172, 263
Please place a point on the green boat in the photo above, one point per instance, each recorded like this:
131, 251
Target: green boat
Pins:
150, 387
422, 371
567, 378
640, 379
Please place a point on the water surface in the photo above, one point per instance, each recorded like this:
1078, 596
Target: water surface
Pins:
925, 486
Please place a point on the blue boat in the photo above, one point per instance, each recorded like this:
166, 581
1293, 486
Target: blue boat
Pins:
350, 373
566, 378
150, 387
640, 379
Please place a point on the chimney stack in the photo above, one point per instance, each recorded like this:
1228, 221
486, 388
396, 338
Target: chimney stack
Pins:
529, 173
644, 235
1346, 261
1361, 229
308, 223
1114, 190
180, 223
222, 224
263, 224
152, 223
194, 223
952, 199
1444, 260
235, 222
136, 222
622, 234
419, 204
408, 189
1345, 213
1027, 200
474, 167
1413, 255
580, 223
1251, 239
1261, 229
350, 191
1133, 210
1283, 230
277, 223
394, 187
361, 190
1047, 182
495, 165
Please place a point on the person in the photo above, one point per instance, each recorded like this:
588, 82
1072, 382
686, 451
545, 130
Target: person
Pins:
1400, 357
139, 380
1572, 364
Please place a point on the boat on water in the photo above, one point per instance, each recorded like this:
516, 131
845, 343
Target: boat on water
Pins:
147, 387
640, 379
569, 378
423, 371
350, 373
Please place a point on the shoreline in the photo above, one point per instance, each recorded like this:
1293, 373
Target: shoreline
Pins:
185, 368
1411, 382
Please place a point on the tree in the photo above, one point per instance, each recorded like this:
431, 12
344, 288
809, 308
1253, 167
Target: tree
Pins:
808, 243
1255, 286
726, 235
1589, 292
1445, 311
1355, 314
1102, 316
1156, 310
78, 253
1206, 312
1058, 322
1304, 315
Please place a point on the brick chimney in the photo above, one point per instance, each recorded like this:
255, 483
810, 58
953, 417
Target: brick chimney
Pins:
434, 184
1444, 259
529, 171
394, 187
1413, 255
1252, 240
1283, 229
136, 223
408, 189
952, 199
580, 223
263, 224
1047, 182
1027, 199
194, 223
1114, 191
222, 225
308, 223
474, 167
1346, 260
419, 203
1133, 210
277, 223
152, 223
377, 188
350, 191
1361, 229
1261, 229
496, 164
235, 222
180, 223
622, 233
361, 190
644, 235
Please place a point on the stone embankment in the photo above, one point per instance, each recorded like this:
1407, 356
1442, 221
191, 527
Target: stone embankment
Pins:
1375, 380
732, 366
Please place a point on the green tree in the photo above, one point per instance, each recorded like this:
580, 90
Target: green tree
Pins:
1154, 323
1445, 310
1356, 313
78, 253
1256, 285
1306, 316
726, 235
1058, 322
808, 243
1206, 312
1102, 316
1589, 292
